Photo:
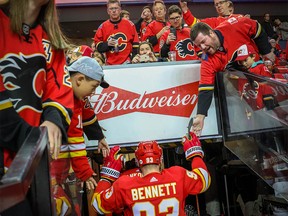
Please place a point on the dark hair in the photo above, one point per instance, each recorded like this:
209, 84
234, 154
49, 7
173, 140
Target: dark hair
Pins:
99, 55
174, 9
147, 7
145, 42
199, 27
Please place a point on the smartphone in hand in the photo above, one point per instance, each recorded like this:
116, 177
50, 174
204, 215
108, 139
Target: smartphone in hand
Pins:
144, 58
173, 31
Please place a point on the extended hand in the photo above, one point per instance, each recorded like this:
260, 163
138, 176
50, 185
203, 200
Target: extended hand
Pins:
104, 147
54, 137
192, 146
112, 165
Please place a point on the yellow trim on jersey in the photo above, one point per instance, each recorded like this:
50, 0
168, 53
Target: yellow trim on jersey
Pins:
63, 155
194, 22
75, 140
78, 153
205, 88
268, 98
5, 104
206, 182
98, 199
89, 122
259, 29
60, 108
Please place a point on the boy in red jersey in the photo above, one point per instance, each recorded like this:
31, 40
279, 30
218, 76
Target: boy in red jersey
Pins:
116, 37
157, 192
86, 76
181, 42
246, 56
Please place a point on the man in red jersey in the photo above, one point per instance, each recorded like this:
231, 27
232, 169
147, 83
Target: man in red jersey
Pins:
157, 27
116, 37
157, 192
180, 42
35, 87
220, 48
223, 8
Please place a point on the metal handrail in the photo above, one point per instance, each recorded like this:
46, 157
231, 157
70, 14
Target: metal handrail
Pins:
16, 182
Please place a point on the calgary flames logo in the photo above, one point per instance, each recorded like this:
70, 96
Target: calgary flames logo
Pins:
18, 75
185, 48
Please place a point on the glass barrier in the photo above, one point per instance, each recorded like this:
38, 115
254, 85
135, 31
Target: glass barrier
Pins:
255, 122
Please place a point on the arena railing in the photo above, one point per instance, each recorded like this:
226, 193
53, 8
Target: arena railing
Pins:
29, 171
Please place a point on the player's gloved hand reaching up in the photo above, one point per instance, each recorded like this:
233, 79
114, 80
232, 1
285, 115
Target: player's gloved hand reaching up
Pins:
112, 165
192, 146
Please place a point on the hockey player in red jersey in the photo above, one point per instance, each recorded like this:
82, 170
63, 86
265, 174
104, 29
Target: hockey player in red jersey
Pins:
86, 76
157, 192
223, 8
219, 48
180, 42
116, 37
157, 27
35, 86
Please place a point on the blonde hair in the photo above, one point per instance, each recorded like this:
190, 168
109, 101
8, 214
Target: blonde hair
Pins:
48, 19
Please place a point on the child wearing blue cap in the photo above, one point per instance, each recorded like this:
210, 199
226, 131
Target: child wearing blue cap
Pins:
86, 75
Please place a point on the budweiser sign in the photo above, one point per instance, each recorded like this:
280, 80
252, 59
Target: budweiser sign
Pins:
177, 101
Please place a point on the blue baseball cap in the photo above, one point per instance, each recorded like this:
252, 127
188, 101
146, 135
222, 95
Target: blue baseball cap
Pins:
90, 68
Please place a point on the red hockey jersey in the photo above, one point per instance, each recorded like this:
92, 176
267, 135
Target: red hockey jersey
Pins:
126, 35
211, 21
152, 29
259, 68
143, 27
183, 45
35, 77
75, 149
232, 34
154, 194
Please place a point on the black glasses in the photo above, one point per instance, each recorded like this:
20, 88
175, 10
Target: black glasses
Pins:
115, 26
220, 3
175, 18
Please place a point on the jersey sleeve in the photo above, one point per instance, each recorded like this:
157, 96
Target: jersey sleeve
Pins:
58, 95
189, 18
100, 44
150, 35
81, 167
208, 71
13, 128
135, 43
106, 198
256, 33
91, 125
196, 181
